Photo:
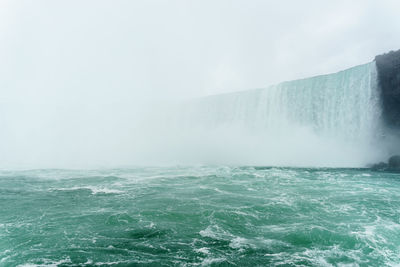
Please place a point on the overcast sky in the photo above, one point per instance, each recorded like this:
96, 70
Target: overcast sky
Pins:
86, 59
165, 48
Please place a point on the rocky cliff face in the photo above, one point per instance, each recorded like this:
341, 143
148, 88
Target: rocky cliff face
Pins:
388, 67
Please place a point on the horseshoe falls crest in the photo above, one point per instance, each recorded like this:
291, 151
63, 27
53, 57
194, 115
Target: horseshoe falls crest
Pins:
330, 120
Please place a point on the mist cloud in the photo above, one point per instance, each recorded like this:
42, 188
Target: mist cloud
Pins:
79, 78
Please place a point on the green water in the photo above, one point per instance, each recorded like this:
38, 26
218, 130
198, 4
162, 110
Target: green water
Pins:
218, 216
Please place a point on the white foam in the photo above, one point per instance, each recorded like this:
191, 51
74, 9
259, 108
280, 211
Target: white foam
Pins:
215, 232
94, 189
203, 250
239, 242
48, 263
209, 261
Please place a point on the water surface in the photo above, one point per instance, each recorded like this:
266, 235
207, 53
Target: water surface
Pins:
185, 216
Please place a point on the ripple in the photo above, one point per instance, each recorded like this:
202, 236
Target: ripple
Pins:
200, 216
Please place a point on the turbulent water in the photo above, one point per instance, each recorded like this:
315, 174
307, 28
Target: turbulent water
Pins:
200, 216
243, 216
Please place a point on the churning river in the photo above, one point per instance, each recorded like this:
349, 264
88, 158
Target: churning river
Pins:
187, 216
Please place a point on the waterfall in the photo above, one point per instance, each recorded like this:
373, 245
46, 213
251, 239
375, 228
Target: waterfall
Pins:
330, 120
342, 105
327, 120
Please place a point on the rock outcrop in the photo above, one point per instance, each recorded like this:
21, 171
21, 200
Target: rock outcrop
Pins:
393, 164
388, 68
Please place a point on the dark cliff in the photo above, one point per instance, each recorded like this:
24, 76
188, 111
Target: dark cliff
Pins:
388, 67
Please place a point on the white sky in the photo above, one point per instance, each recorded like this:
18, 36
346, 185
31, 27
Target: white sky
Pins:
86, 59
186, 48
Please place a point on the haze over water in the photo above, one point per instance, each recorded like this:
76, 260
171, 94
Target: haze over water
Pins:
131, 133
81, 82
